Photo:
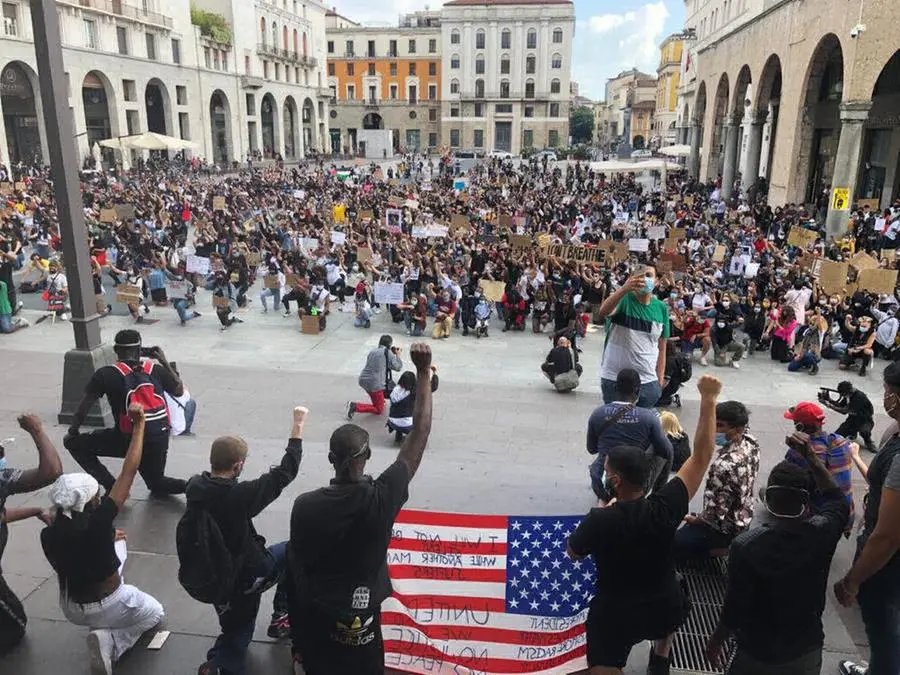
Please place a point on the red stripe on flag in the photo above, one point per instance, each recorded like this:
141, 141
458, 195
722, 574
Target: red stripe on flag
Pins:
449, 547
483, 633
446, 573
412, 517
411, 652
434, 604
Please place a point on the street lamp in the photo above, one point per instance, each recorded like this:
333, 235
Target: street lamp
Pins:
89, 352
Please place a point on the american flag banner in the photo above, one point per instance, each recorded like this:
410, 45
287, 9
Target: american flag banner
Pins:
480, 595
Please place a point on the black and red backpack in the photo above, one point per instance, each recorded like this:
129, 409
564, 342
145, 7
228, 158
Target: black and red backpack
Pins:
142, 389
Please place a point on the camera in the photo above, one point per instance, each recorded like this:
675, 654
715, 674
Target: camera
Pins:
147, 352
824, 395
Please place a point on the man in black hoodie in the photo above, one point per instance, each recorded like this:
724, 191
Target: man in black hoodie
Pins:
337, 565
233, 505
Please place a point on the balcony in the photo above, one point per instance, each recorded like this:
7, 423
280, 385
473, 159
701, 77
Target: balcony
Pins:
251, 82
265, 49
309, 61
371, 103
119, 8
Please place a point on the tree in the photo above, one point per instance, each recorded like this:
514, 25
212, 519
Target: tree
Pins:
581, 125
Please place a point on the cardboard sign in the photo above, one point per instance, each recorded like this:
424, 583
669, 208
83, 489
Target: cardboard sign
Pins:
292, 280
493, 290
663, 266
544, 240
221, 302
176, 290
873, 204
218, 203
338, 238
20, 186
309, 325
675, 260
271, 281
639, 245
670, 245
125, 211
878, 281
577, 253
833, 276
677, 233
363, 254
656, 232
366, 215
459, 221
128, 295
863, 261
253, 259
889, 254
6, 188
719, 254
801, 237
505, 220
108, 216
388, 293
197, 265
619, 251
519, 241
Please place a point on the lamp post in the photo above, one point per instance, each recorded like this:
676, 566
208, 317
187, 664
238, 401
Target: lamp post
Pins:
89, 352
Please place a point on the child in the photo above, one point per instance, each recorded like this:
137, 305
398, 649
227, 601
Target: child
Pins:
363, 312
483, 311
400, 415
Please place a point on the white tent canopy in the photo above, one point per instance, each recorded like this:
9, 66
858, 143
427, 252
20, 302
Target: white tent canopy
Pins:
675, 150
149, 141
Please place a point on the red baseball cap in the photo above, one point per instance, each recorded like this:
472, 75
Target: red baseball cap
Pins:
806, 413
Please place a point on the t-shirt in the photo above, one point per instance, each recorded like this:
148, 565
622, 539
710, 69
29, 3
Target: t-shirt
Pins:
632, 337
339, 541
84, 557
5, 307
639, 427
798, 299
858, 405
631, 543
109, 382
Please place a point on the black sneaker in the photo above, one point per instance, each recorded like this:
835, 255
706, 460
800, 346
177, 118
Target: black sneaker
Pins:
853, 668
279, 627
351, 410
658, 665
814, 369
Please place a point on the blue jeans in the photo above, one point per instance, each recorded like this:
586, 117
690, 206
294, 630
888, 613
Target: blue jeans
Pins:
808, 360
190, 410
6, 324
274, 293
181, 306
238, 618
879, 604
698, 541
650, 393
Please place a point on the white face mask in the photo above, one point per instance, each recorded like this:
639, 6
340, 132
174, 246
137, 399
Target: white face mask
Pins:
721, 324
726, 304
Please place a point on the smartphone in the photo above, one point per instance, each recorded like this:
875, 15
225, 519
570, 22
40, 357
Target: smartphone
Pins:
159, 640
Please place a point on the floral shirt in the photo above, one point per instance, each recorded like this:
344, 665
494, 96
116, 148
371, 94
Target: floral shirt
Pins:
728, 497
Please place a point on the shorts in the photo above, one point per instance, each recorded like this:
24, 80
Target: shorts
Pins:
613, 628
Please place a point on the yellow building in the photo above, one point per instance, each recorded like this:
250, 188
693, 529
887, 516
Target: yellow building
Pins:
668, 78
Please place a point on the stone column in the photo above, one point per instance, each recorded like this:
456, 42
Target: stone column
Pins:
732, 131
846, 165
754, 148
694, 157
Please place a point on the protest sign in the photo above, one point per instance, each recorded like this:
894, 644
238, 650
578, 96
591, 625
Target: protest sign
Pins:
577, 253
493, 290
218, 203
221, 302
393, 220
639, 245
6, 188
676, 260
878, 281
309, 325
363, 254
833, 276
719, 254
108, 216
458, 221
253, 259
125, 211
880, 224
128, 294
801, 237
176, 290
544, 240
505, 220
388, 293
292, 280
873, 204
436, 230
751, 270
670, 244
20, 186
889, 254
519, 241
271, 281
366, 215
677, 233
863, 261
310, 243
419, 231
338, 238
656, 232
196, 264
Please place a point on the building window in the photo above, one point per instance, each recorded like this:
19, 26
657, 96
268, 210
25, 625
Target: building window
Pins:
331, 70
529, 111
129, 91
371, 70
351, 92
553, 138
454, 37
351, 70
479, 110
504, 89
413, 94
180, 94
392, 49
277, 71
454, 111
90, 34
454, 86
121, 38
373, 95
432, 69
412, 68
250, 100
11, 19
530, 65
370, 52
554, 86
216, 59
557, 36
503, 108
151, 46
392, 90
479, 65
478, 138
432, 92
479, 88
132, 122
556, 61
266, 69
176, 51
331, 46
504, 65
432, 140
506, 39
348, 48
432, 114
531, 39
554, 109
528, 138
412, 46
432, 46
529, 89
454, 138
479, 39
454, 62
207, 57
392, 69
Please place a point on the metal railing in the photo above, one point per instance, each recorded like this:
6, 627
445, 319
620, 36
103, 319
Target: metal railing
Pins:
266, 48
119, 8
10, 27
309, 61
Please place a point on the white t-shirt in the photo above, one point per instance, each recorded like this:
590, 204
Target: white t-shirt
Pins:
798, 299
176, 411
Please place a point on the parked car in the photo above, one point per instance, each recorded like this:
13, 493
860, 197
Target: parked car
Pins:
641, 154
549, 154
500, 154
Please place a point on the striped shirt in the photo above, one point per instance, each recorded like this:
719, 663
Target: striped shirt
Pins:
632, 337
834, 451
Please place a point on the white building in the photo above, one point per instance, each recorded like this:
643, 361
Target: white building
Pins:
506, 73
135, 68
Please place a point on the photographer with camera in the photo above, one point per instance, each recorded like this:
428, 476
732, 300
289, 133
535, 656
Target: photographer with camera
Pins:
376, 379
130, 380
857, 407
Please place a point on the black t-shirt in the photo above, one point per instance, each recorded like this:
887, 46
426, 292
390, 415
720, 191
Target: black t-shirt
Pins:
109, 382
631, 543
83, 553
859, 405
339, 540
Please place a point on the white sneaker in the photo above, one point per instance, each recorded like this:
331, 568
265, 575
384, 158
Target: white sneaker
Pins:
735, 365
64, 316
703, 361
100, 650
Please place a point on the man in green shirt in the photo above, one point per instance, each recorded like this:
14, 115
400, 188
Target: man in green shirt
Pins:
7, 325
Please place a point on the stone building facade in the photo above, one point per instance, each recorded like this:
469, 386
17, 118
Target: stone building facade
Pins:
668, 77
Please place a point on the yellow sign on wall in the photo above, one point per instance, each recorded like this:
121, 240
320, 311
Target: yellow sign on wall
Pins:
840, 199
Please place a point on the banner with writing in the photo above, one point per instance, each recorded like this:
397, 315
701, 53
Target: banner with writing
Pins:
388, 293
577, 253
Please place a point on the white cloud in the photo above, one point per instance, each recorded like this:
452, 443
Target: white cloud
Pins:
607, 22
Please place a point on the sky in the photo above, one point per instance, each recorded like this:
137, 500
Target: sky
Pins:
610, 35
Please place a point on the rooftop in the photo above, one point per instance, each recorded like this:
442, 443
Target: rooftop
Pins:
463, 3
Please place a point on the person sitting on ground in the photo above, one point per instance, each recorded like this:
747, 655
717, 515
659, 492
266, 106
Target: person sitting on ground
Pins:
723, 341
88, 554
623, 423
681, 442
561, 366
815, 342
18, 481
400, 419
728, 497
8, 324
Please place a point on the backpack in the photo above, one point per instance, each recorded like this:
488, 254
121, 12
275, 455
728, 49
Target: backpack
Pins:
207, 570
685, 370
142, 389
